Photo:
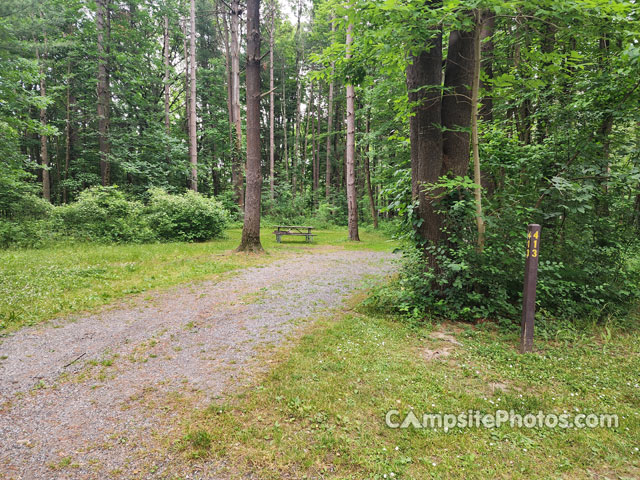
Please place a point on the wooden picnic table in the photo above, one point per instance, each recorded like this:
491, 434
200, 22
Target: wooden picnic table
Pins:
295, 230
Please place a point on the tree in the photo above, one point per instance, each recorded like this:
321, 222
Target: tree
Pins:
352, 199
44, 155
272, 147
103, 27
251, 229
327, 180
236, 120
424, 77
193, 134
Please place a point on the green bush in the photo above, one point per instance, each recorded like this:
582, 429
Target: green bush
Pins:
104, 214
25, 233
189, 217
585, 273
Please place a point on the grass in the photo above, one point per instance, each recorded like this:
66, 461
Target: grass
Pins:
41, 284
320, 413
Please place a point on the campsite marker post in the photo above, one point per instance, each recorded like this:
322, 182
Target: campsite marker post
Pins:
529, 292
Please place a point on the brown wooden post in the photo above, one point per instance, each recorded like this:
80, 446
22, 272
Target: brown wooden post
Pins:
529, 292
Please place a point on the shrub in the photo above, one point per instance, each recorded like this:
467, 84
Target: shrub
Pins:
584, 271
188, 217
25, 233
104, 214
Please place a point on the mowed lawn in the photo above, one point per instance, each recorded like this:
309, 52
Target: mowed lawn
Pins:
320, 413
40, 284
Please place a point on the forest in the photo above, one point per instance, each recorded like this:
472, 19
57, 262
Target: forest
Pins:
454, 123
151, 326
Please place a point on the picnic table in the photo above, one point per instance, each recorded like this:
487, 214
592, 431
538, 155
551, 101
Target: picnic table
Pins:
295, 230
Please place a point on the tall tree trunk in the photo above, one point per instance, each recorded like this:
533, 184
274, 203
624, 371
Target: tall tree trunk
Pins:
103, 26
367, 172
187, 85
315, 146
193, 142
456, 104
67, 134
284, 125
327, 180
486, 53
352, 198
272, 147
296, 144
251, 229
306, 139
237, 168
424, 78
227, 69
167, 122
44, 154
475, 90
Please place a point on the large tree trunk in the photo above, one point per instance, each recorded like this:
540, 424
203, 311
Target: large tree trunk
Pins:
251, 229
103, 27
193, 142
237, 168
44, 154
367, 173
272, 147
424, 78
352, 198
456, 103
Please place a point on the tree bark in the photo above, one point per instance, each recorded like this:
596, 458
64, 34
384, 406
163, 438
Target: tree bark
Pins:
284, 126
475, 90
237, 168
167, 121
327, 179
296, 144
187, 86
352, 199
486, 53
367, 173
251, 229
44, 154
424, 77
272, 147
306, 139
315, 146
67, 128
103, 26
456, 103
193, 142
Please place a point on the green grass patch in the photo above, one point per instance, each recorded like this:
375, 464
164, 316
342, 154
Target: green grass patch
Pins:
320, 413
40, 284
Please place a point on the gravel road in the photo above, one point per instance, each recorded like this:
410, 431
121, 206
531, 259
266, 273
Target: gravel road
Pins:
89, 397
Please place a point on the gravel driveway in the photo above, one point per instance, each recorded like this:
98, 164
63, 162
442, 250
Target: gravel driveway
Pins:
90, 397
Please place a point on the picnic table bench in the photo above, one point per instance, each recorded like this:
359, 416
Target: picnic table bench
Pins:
293, 230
